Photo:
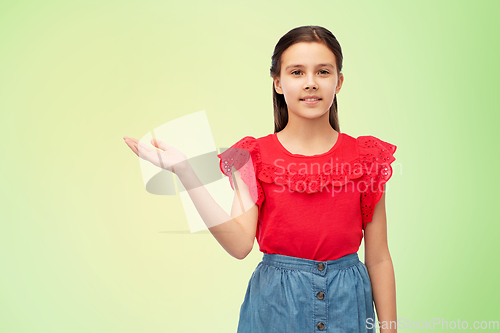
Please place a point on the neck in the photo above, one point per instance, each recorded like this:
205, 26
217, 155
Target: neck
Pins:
309, 133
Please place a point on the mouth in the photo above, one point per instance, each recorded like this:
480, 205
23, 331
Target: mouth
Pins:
310, 100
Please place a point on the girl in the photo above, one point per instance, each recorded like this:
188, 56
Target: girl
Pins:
306, 192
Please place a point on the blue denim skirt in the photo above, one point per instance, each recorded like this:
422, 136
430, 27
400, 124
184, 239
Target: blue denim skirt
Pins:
296, 295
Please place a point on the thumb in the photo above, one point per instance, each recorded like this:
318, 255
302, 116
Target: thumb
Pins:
159, 144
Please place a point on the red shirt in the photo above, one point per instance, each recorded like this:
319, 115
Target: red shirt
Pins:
313, 207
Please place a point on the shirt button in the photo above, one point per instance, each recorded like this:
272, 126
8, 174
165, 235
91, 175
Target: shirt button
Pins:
321, 326
321, 266
320, 295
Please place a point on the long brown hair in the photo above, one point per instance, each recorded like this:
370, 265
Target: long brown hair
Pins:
308, 33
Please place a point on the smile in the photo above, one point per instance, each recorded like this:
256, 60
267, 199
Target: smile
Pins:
310, 101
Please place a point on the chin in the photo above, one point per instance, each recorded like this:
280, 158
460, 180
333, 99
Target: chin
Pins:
311, 115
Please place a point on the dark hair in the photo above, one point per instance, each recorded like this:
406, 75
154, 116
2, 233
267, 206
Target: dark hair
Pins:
308, 33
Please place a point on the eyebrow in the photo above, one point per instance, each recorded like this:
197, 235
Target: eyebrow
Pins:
301, 66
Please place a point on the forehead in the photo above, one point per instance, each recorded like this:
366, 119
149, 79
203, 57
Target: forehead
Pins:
307, 53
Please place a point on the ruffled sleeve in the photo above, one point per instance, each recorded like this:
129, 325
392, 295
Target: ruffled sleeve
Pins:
244, 156
376, 157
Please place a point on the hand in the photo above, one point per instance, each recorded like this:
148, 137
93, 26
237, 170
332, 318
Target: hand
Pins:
166, 157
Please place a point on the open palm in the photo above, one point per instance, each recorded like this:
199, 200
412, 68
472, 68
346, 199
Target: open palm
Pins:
160, 154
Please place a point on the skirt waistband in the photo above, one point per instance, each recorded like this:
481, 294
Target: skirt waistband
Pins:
295, 263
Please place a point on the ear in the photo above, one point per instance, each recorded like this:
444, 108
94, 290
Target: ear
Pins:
340, 81
277, 85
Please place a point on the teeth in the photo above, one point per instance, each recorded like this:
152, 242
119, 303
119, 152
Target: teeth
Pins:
310, 99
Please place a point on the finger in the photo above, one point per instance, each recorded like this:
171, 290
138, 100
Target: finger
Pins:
160, 144
142, 145
142, 149
155, 148
131, 146
131, 140
146, 150
134, 148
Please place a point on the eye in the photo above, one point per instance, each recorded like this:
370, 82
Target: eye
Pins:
296, 71
325, 71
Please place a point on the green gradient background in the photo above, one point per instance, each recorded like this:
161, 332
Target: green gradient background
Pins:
84, 247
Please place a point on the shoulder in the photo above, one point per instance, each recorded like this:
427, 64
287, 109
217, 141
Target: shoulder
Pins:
371, 149
251, 143
370, 142
376, 156
251, 146
241, 152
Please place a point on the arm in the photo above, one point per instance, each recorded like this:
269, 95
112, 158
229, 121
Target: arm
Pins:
235, 233
380, 269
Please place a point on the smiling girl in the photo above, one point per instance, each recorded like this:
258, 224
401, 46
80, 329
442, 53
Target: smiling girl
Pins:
307, 193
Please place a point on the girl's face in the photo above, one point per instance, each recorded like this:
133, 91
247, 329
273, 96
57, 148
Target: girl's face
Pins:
308, 70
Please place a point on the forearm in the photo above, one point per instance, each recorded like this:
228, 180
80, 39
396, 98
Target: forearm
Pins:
229, 233
384, 294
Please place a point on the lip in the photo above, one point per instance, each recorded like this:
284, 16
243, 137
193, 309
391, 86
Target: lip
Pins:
310, 96
310, 102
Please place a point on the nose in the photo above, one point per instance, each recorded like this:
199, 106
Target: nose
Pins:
310, 83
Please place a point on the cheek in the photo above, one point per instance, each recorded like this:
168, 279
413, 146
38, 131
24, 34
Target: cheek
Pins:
331, 88
287, 89
291, 88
